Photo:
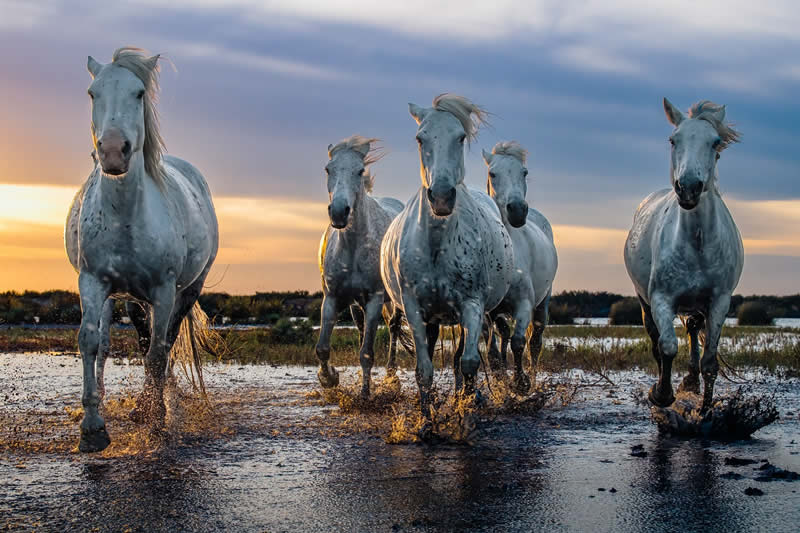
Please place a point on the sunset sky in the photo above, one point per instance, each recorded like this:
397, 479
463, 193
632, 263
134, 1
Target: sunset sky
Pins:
260, 88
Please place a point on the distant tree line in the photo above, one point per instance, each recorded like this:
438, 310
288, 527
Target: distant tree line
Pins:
63, 307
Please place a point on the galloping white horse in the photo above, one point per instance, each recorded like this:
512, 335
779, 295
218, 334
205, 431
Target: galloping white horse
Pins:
349, 256
142, 228
684, 252
447, 258
535, 259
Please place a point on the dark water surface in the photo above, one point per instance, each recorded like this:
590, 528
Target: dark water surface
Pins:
568, 468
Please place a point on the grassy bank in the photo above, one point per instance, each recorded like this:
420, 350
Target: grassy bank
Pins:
591, 348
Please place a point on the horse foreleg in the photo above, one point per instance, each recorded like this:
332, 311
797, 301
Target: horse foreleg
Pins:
691, 382
522, 317
471, 321
328, 377
663, 314
105, 345
709, 364
424, 370
162, 306
372, 317
93, 294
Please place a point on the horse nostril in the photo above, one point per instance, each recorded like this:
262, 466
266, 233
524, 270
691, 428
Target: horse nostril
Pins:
430, 195
126, 148
347, 211
451, 194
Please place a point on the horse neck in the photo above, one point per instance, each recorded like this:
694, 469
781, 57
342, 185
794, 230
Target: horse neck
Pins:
124, 196
699, 224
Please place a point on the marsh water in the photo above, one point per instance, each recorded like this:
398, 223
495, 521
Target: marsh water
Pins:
273, 457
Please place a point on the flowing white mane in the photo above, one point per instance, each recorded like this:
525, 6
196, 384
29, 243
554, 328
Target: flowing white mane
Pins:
363, 146
146, 69
707, 110
471, 116
511, 148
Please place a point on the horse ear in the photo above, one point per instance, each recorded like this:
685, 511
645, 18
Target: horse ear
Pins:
719, 113
93, 66
487, 156
674, 114
362, 149
329, 149
152, 61
417, 112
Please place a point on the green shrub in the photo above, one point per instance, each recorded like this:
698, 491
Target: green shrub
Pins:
626, 312
754, 314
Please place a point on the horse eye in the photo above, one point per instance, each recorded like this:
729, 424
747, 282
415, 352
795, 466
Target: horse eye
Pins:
361, 172
91, 95
672, 141
419, 140
717, 142
327, 171
462, 139
140, 94
717, 156
525, 172
492, 175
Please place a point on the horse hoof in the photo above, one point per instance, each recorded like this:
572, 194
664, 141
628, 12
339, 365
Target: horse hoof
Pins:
365, 393
136, 415
425, 433
690, 384
94, 440
522, 384
328, 379
659, 401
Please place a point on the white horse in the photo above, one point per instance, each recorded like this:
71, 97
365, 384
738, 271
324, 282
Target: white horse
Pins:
684, 252
143, 229
349, 256
447, 258
535, 259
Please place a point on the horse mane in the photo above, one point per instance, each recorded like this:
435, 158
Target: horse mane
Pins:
362, 145
146, 69
471, 116
511, 148
706, 110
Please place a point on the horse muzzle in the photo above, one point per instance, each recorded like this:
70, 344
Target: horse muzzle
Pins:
442, 200
114, 153
688, 192
339, 215
517, 213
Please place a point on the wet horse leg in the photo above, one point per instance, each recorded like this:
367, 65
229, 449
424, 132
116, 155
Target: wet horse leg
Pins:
458, 376
424, 370
471, 321
372, 316
540, 318
93, 294
663, 314
138, 317
358, 320
328, 376
709, 364
691, 382
522, 317
162, 306
105, 345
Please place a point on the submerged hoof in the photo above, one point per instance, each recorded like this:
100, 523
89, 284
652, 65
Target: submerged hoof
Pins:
660, 400
690, 384
328, 378
94, 440
522, 384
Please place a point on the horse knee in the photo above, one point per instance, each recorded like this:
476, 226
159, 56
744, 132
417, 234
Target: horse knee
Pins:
89, 339
518, 343
668, 347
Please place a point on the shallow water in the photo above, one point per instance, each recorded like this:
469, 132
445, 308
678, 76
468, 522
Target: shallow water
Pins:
285, 463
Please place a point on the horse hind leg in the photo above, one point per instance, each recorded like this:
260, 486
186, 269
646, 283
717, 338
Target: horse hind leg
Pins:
652, 332
139, 319
691, 382
457, 375
372, 317
709, 364
541, 317
497, 356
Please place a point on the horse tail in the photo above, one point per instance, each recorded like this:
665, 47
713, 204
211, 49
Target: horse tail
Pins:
195, 332
403, 335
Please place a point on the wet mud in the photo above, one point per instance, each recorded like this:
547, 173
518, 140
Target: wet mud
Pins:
274, 453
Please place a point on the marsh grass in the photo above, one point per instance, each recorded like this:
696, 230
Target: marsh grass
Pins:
598, 349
